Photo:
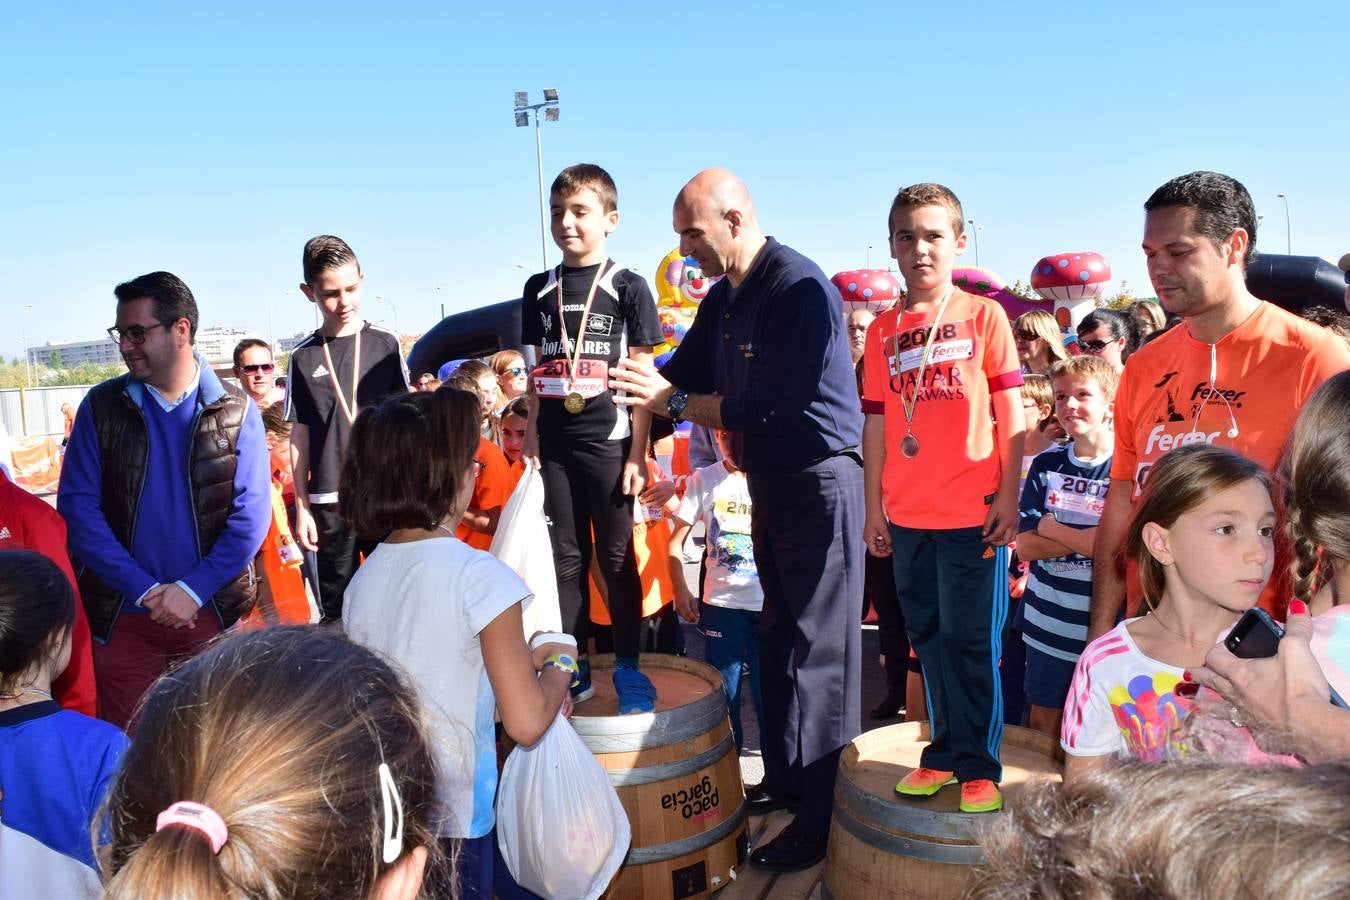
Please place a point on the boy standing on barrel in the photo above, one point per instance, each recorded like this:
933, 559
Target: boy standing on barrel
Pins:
941, 486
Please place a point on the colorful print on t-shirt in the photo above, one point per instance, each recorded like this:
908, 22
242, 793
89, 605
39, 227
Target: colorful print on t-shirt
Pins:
1149, 714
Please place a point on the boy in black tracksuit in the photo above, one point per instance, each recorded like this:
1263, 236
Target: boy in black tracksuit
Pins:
581, 318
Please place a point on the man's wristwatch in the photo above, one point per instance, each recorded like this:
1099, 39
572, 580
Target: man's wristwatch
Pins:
675, 404
565, 663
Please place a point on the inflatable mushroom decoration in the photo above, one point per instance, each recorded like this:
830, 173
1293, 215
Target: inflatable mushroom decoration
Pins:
1073, 281
874, 289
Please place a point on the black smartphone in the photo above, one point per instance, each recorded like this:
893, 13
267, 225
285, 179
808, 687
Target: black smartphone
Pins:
1255, 636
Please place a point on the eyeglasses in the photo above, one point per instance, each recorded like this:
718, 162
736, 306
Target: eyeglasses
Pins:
1094, 346
515, 371
255, 368
135, 333
1027, 335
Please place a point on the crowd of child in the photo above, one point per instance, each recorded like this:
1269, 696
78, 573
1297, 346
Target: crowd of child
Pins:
1004, 478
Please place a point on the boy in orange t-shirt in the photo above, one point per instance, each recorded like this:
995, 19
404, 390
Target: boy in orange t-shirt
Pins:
941, 487
495, 481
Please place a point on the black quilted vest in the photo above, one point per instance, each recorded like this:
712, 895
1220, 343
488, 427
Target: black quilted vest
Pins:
124, 448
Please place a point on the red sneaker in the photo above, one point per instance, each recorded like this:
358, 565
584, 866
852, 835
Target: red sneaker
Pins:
980, 796
924, 782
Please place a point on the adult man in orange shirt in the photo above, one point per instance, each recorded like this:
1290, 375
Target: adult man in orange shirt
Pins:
1235, 372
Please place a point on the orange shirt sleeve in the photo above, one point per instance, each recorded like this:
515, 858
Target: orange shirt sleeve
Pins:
876, 371
1001, 367
1124, 457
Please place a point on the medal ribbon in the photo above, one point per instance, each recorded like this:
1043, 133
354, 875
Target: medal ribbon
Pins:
585, 314
348, 410
913, 403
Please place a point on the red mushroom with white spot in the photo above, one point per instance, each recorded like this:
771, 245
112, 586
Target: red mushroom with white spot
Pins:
1073, 281
874, 289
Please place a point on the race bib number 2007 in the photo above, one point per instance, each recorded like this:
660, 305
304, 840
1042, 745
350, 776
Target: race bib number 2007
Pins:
551, 379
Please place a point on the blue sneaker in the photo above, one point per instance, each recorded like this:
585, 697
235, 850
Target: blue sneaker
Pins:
636, 694
581, 684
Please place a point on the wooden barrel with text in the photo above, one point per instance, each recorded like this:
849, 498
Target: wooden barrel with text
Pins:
678, 775
883, 845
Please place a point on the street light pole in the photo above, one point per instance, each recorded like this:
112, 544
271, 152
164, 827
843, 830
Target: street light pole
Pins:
975, 231
869, 256
523, 109
1288, 239
27, 360
394, 310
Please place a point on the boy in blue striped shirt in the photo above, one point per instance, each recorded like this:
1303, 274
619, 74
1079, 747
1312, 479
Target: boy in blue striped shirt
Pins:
1062, 502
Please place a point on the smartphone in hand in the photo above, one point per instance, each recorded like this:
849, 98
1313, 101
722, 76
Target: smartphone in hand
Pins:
1257, 636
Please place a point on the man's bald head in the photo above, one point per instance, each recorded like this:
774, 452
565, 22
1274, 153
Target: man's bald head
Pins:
718, 192
715, 219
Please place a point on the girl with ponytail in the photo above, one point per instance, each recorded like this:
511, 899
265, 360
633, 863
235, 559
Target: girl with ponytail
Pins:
288, 763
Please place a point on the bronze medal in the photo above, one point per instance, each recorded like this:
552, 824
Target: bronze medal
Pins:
574, 403
909, 446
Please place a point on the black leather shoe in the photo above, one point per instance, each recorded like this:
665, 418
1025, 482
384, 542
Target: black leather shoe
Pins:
892, 706
791, 851
759, 801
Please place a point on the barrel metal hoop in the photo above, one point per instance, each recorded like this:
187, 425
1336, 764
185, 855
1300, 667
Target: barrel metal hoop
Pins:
940, 825
950, 854
652, 774
641, 856
640, 731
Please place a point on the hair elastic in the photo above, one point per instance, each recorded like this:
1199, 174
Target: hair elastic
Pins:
195, 815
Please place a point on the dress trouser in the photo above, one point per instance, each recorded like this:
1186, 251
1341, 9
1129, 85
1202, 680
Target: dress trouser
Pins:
807, 532
583, 490
140, 650
954, 591
339, 555
879, 576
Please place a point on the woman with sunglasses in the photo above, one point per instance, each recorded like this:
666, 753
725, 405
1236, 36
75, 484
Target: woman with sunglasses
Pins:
254, 367
1109, 334
1039, 345
512, 375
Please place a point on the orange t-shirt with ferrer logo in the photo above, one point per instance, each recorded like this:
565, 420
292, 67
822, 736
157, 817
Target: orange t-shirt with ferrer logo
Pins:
952, 479
1265, 370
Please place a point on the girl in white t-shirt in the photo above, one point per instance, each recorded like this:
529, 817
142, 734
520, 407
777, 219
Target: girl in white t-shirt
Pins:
1202, 537
449, 614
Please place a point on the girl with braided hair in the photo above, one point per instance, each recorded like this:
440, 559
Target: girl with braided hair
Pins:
1290, 692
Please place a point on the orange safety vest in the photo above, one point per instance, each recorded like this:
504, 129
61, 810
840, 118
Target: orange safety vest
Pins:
282, 599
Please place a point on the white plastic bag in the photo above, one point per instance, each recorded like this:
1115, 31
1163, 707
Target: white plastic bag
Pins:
561, 828
523, 544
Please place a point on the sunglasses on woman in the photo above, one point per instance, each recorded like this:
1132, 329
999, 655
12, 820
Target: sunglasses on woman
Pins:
515, 371
1094, 346
1027, 335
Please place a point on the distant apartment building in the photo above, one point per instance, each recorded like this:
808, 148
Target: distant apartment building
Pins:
71, 354
217, 344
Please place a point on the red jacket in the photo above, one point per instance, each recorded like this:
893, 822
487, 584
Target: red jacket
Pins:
27, 523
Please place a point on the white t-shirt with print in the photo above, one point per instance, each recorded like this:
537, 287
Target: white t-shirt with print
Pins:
1122, 702
721, 499
423, 604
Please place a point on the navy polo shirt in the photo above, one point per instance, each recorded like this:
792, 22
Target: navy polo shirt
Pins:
776, 352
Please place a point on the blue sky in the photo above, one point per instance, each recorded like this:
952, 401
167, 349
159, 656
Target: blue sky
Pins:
212, 141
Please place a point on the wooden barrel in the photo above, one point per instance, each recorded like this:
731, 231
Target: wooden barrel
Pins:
678, 775
883, 845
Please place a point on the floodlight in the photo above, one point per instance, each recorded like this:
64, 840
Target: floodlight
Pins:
522, 119
522, 98
551, 114
551, 95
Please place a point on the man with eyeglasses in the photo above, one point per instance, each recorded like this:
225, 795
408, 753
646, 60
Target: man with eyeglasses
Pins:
254, 368
166, 494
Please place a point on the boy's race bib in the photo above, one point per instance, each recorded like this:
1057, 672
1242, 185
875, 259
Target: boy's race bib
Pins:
551, 379
954, 341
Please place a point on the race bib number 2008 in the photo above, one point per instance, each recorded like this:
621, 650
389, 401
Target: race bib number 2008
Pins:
953, 341
551, 379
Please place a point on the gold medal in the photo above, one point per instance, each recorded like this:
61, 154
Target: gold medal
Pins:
574, 403
909, 446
